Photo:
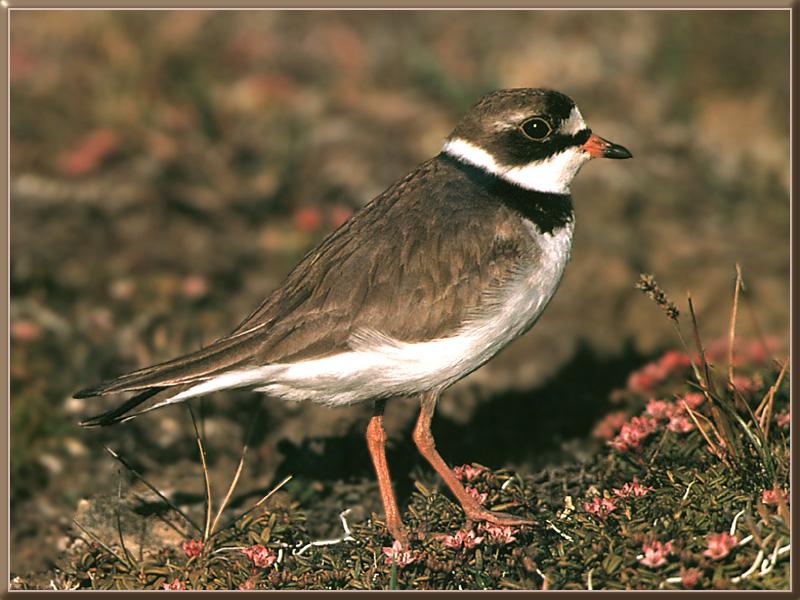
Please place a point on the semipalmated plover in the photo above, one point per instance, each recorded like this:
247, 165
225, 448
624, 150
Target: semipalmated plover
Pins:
419, 288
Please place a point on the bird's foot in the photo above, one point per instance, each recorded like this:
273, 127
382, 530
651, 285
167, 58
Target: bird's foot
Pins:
398, 531
497, 518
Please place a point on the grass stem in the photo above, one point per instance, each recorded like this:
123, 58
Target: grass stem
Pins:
206, 481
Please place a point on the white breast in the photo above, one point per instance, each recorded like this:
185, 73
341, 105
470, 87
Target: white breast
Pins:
379, 366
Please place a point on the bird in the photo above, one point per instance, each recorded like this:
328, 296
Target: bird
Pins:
420, 287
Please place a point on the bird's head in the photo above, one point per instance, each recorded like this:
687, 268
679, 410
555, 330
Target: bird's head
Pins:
534, 138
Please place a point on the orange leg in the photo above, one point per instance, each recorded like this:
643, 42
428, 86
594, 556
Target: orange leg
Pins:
423, 438
376, 442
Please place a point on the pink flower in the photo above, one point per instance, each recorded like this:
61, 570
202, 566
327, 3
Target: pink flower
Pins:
249, 584
194, 286
631, 489
192, 548
500, 534
600, 507
693, 399
645, 379
88, 152
480, 497
655, 554
261, 556
673, 361
745, 385
25, 331
467, 472
468, 539
643, 425
308, 219
633, 433
719, 545
759, 352
783, 419
610, 425
650, 375
774, 496
175, 584
660, 409
471, 539
680, 424
398, 555
688, 577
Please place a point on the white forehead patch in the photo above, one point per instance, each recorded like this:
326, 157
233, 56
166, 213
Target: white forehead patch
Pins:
503, 125
573, 124
509, 122
552, 175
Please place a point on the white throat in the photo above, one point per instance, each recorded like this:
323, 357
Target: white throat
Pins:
552, 175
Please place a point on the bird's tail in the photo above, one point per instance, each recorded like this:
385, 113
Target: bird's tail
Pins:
141, 403
157, 385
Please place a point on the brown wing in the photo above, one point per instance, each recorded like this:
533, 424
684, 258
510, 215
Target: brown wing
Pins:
412, 265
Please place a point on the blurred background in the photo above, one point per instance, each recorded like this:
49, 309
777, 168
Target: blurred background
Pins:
169, 168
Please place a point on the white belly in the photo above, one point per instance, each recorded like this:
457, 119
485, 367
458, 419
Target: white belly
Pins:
378, 366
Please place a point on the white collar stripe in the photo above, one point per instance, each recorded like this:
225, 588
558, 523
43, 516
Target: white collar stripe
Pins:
552, 175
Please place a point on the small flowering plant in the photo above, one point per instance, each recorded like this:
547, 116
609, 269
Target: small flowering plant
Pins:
783, 419
261, 556
249, 584
467, 539
632, 489
673, 413
499, 534
660, 409
398, 554
610, 425
652, 374
692, 399
655, 553
192, 548
467, 472
773, 496
680, 424
633, 434
600, 507
480, 497
689, 577
175, 584
719, 545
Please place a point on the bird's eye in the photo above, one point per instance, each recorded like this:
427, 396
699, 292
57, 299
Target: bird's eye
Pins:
536, 128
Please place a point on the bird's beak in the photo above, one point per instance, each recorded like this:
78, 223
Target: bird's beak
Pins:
597, 147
